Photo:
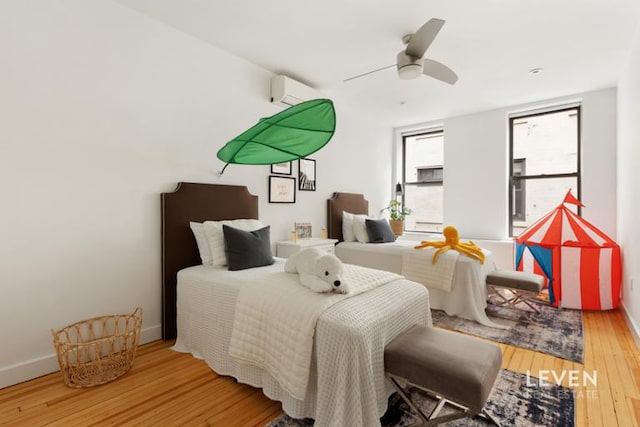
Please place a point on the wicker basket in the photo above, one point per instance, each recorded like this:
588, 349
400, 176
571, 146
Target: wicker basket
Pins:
98, 350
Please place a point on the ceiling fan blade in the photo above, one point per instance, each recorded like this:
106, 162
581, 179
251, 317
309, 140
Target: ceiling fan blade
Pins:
368, 72
423, 38
439, 71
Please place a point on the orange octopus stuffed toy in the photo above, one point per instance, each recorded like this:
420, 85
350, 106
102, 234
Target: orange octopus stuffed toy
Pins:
452, 241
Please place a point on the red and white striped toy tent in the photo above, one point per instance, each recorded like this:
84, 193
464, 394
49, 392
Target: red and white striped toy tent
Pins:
581, 263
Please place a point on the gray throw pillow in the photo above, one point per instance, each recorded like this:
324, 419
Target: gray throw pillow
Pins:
247, 249
379, 231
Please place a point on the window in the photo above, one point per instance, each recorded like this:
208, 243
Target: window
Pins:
519, 200
430, 174
544, 165
423, 177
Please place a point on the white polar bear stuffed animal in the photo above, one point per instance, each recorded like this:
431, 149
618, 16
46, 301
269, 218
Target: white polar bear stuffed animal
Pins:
318, 270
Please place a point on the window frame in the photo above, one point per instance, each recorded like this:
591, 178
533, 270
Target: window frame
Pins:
577, 174
435, 182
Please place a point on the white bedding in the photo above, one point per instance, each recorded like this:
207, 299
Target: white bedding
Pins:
346, 384
417, 265
468, 294
275, 321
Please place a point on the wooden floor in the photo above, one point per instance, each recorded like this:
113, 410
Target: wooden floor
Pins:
165, 388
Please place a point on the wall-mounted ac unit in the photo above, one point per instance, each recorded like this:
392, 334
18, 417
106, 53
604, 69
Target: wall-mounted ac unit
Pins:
287, 92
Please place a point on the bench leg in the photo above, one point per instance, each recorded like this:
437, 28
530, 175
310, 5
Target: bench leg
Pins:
433, 419
487, 416
403, 395
521, 297
518, 297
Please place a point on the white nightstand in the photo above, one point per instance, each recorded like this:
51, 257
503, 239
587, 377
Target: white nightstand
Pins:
286, 248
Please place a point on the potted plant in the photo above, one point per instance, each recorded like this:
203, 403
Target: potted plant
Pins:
397, 214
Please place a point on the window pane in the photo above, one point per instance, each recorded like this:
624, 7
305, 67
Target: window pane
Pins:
426, 203
519, 195
541, 196
423, 153
430, 174
548, 142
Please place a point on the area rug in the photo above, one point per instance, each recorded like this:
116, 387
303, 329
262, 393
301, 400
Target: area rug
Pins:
515, 401
553, 331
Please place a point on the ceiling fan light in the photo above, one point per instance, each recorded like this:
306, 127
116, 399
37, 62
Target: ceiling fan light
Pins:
410, 71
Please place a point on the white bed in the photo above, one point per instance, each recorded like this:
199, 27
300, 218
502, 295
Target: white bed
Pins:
467, 297
346, 385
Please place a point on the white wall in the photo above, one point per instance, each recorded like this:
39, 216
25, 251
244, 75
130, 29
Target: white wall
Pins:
476, 165
628, 180
102, 110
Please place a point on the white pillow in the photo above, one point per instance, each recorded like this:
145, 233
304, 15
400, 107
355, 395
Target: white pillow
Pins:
202, 242
347, 227
360, 228
215, 236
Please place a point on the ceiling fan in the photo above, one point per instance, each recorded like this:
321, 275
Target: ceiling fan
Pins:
411, 62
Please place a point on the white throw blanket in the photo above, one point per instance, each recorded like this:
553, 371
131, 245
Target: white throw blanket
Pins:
275, 322
417, 265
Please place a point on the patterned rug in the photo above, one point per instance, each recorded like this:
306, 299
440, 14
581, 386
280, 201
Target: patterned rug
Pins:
554, 331
512, 402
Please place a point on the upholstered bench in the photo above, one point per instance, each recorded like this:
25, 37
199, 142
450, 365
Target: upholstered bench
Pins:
452, 367
523, 287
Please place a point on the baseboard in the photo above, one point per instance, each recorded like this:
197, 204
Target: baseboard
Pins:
24, 371
34, 368
150, 334
633, 327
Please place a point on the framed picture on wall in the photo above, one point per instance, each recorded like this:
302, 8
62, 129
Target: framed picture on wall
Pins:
282, 189
307, 175
281, 168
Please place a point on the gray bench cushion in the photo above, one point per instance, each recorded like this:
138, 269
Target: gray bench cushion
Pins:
516, 280
461, 368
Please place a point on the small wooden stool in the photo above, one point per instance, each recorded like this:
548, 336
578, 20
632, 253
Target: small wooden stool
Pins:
452, 367
524, 287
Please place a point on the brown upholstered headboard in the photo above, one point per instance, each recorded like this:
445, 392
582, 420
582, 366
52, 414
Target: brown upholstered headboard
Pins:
193, 202
349, 202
